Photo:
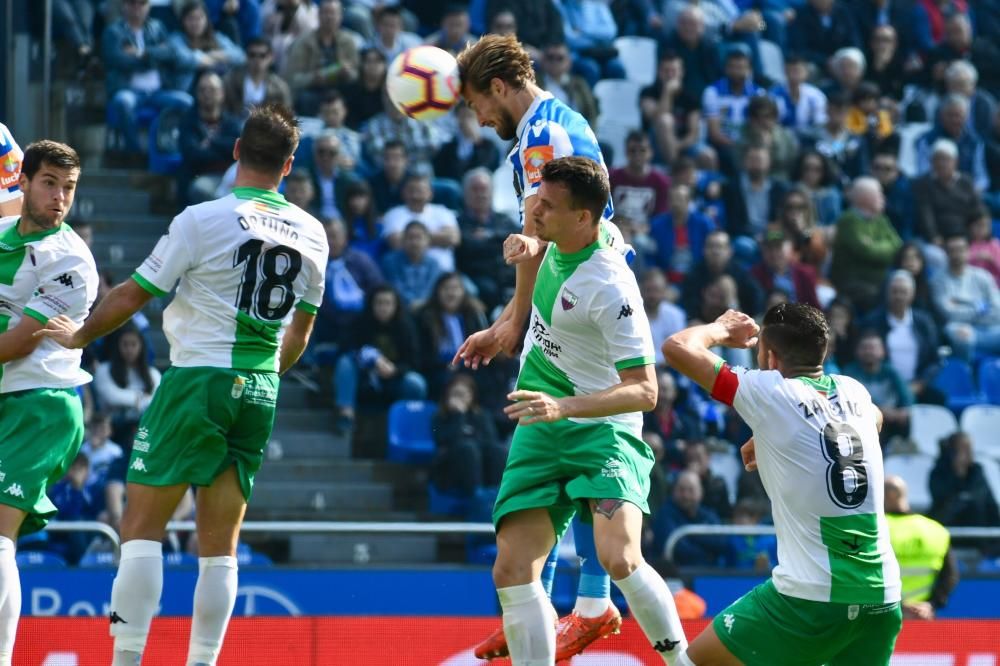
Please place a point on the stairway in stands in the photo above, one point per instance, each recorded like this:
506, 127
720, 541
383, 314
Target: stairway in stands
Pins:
308, 473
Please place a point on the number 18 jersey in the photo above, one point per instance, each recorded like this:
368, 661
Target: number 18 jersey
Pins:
819, 459
244, 262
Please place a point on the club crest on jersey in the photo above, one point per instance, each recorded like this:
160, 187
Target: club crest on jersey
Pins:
569, 299
535, 158
236, 392
852, 611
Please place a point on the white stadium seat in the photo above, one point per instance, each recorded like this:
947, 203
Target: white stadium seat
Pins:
929, 424
619, 100
982, 423
638, 55
991, 470
915, 468
504, 197
729, 467
772, 61
908, 135
613, 134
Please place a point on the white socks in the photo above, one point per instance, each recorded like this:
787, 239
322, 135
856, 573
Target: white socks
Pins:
10, 600
684, 660
135, 596
529, 622
591, 606
214, 597
652, 604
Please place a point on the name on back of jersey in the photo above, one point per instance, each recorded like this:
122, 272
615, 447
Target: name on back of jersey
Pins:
835, 407
268, 223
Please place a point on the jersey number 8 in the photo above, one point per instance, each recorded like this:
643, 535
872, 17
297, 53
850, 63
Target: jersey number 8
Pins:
279, 266
846, 475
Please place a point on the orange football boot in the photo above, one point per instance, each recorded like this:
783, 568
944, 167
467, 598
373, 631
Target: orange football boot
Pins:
575, 633
493, 647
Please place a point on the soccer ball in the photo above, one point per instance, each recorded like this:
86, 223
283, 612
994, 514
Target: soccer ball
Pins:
422, 82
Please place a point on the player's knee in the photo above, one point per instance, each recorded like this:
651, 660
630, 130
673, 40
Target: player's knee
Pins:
618, 560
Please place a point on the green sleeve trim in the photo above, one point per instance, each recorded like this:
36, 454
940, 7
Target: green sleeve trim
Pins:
718, 365
148, 286
35, 314
306, 307
634, 362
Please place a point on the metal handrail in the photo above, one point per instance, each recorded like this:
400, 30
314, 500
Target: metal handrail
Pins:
338, 527
768, 530
86, 526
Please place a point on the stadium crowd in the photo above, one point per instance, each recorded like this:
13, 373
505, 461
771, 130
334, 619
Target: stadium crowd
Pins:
859, 173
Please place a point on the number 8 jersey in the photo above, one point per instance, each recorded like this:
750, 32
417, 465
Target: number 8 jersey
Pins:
244, 262
819, 459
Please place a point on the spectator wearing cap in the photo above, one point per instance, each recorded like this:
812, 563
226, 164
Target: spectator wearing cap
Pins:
947, 201
255, 83
779, 269
953, 124
820, 28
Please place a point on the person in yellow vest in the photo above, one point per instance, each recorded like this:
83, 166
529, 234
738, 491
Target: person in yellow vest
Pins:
923, 548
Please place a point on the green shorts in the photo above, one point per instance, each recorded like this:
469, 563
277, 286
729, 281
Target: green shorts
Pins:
40, 435
767, 628
559, 466
200, 422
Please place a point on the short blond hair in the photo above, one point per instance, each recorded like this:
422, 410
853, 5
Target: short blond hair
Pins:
494, 57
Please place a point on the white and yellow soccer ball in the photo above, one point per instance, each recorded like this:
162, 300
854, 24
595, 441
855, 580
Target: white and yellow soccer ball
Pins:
422, 82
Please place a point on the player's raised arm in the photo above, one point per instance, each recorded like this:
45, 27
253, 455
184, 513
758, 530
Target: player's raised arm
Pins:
689, 351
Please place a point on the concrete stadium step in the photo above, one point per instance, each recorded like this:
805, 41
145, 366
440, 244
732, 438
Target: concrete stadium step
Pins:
103, 177
293, 394
320, 496
298, 445
96, 202
299, 418
308, 470
363, 548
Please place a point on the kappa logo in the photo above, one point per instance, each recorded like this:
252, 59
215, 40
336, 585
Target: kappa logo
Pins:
65, 280
569, 299
729, 620
626, 311
666, 645
138, 465
15, 490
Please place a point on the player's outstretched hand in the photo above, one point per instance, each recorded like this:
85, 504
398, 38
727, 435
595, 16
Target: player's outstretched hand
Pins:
741, 329
63, 330
518, 248
478, 349
749, 453
533, 407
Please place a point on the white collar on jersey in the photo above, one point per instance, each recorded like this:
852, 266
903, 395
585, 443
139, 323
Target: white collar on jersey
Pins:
523, 124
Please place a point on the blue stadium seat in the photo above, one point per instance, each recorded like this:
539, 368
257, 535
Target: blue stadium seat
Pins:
446, 504
39, 558
164, 136
178, 559
247, 556
954, 379
989, 379
104, 560
410, 438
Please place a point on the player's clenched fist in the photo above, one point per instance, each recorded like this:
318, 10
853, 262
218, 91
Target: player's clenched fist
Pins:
740, 329
518, 248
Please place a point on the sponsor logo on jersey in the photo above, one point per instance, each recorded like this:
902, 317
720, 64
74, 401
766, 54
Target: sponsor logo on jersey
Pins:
569, 299
15, 490
138, 465
141, 441
852, 611
540, 334
239, 383
613, 469
729, 620
535, 158
55, 303
10, 174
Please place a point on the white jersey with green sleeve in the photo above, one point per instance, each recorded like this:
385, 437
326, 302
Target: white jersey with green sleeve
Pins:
42, 275
819, 458
243, 263
587, 324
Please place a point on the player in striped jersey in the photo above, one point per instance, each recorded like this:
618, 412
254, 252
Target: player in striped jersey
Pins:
834, 596
10, 173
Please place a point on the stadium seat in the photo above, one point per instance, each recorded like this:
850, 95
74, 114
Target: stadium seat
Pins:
989, 379
247, 556
982, 423
164, 147
613, 133
39, 558
729, 467
504, 198
954, 379
929, 424
179, 559
915, 468
104, 560
445, 504
410, 438
908, 135
772, 61
638, 55
619, 100
991, 470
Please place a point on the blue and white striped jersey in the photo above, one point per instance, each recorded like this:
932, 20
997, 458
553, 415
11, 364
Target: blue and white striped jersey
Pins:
10, 166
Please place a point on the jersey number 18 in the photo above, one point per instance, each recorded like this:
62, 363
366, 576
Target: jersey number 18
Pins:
279, 266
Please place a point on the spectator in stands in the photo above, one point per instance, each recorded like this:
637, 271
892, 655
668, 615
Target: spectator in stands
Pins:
898, 190
888, 68
284, 21
538, 22
198, 47
846, 151
387, 182
639, 189
900, 16
669, 111
365, 227
733, 23
819, 29
378, 370
101, 452
698, 51
665, 318
239, 20
365, 93
469, 454
333, 113
685, 508
125, 383
889, 391
483, 230
779, 269
962, 497
420, 139
449, 316
953, 125
255, 83
753, 198
410, 269
454, 34
961, 78
469, 149
801, 105
718, 260
672, 420
76, 500
390, 38
911, 259
759, 553
864, 246
321, 59
928, 568
504, 23
556, 77
439, 221
724, 104
842, 319
73, 23
590, 32
137, 62
909, 334
984, 247
814, 173
947, 201
330, 181
955, 44
969, 300
868, 119
715, 492
797, 219
717, 296
847, 71
350, 277
762, 128
679, 235
300, 191
207, 136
